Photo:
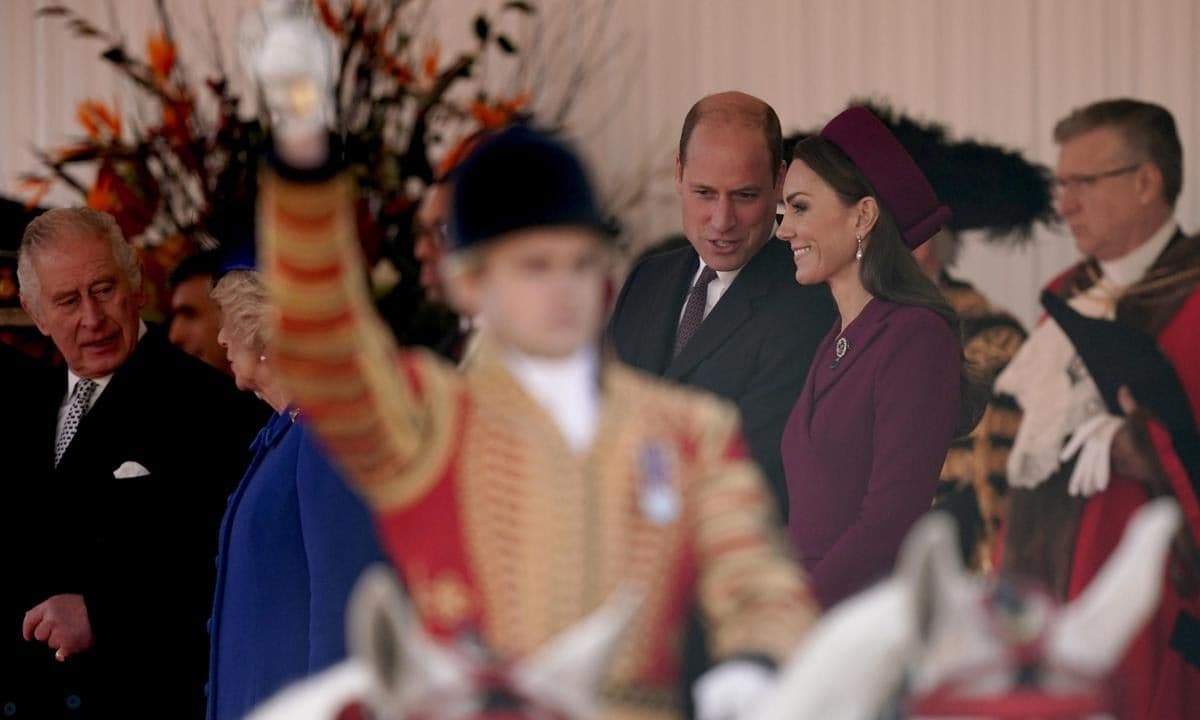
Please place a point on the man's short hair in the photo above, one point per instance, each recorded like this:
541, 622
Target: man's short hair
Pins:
745, 111
52, 225
201, 264
1148, 129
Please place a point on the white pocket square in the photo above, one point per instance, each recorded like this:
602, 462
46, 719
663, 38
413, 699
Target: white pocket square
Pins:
130, 469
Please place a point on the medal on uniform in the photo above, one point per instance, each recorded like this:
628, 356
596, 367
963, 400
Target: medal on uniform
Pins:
658, 498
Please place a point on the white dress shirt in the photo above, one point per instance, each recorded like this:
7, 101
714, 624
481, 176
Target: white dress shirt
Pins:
716, 288
73, 380
568, 389
1128, 269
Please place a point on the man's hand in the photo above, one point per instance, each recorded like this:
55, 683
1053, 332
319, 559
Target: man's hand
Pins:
62, 623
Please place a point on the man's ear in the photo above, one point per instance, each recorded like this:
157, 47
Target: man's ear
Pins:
1149, 183
34, 316
679, 175
780, 174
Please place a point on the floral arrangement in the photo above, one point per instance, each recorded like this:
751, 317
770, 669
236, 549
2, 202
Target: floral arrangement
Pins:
183, 174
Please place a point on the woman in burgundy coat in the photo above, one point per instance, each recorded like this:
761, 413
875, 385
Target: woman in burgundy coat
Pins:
888, 389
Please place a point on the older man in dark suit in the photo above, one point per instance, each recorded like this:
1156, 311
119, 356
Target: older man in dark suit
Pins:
134, 463
725, 313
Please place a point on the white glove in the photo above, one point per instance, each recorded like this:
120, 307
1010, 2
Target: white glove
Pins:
1093, 441
730, 690
294, 67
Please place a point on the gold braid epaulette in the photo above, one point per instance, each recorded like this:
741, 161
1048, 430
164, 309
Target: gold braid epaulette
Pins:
384, 417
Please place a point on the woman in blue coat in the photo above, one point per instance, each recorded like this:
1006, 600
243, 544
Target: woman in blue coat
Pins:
293, 541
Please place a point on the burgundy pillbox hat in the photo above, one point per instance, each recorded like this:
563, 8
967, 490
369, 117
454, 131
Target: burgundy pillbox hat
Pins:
900, 185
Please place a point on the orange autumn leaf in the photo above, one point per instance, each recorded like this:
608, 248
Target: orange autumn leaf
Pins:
430, 63
328, 17
459, 152
86, 118
37, 187
486, 116
175, 117
101, 196
161, 54
500, 112
96, 117
110, 119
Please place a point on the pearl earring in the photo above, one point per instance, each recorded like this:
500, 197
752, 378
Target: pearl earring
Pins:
858, 251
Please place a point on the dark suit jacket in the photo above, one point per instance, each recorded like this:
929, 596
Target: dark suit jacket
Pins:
866, 442
140, 550
754, 348
27, 403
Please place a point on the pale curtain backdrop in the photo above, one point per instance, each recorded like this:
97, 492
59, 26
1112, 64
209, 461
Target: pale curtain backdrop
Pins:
997, 70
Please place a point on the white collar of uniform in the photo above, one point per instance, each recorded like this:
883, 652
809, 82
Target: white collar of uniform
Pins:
101, 382
1129, 268
568, 388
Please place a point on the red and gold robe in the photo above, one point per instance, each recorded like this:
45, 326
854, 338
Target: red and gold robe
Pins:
501, 532
1065, 541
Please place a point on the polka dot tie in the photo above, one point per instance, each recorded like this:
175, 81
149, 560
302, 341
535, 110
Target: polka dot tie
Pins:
693, 310
84, 389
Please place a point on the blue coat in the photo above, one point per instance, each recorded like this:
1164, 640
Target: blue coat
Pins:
293, 542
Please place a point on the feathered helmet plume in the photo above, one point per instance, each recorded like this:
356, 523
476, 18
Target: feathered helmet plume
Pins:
987, 187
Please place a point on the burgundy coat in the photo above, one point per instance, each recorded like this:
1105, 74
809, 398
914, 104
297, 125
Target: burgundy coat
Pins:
865, 443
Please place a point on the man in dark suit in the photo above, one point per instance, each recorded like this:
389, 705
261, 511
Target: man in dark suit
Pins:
26, 402
134, 459
725, 312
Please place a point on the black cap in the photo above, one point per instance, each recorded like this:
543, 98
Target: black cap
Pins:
520, 178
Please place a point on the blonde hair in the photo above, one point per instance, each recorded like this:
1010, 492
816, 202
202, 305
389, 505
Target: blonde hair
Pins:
53, 225
245, 305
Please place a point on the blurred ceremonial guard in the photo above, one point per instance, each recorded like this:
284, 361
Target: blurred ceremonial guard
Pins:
517, 496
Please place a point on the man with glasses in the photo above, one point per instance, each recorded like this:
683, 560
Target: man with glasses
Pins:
1078, 472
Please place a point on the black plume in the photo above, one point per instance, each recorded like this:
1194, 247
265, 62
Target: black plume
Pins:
986, 186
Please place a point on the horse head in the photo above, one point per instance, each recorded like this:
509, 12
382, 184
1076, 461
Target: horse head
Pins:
933, 640
397, 671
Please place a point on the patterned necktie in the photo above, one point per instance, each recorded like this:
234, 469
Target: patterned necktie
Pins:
84, 389
693, 311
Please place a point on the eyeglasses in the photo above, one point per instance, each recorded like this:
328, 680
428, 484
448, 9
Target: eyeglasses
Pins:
1078, 182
